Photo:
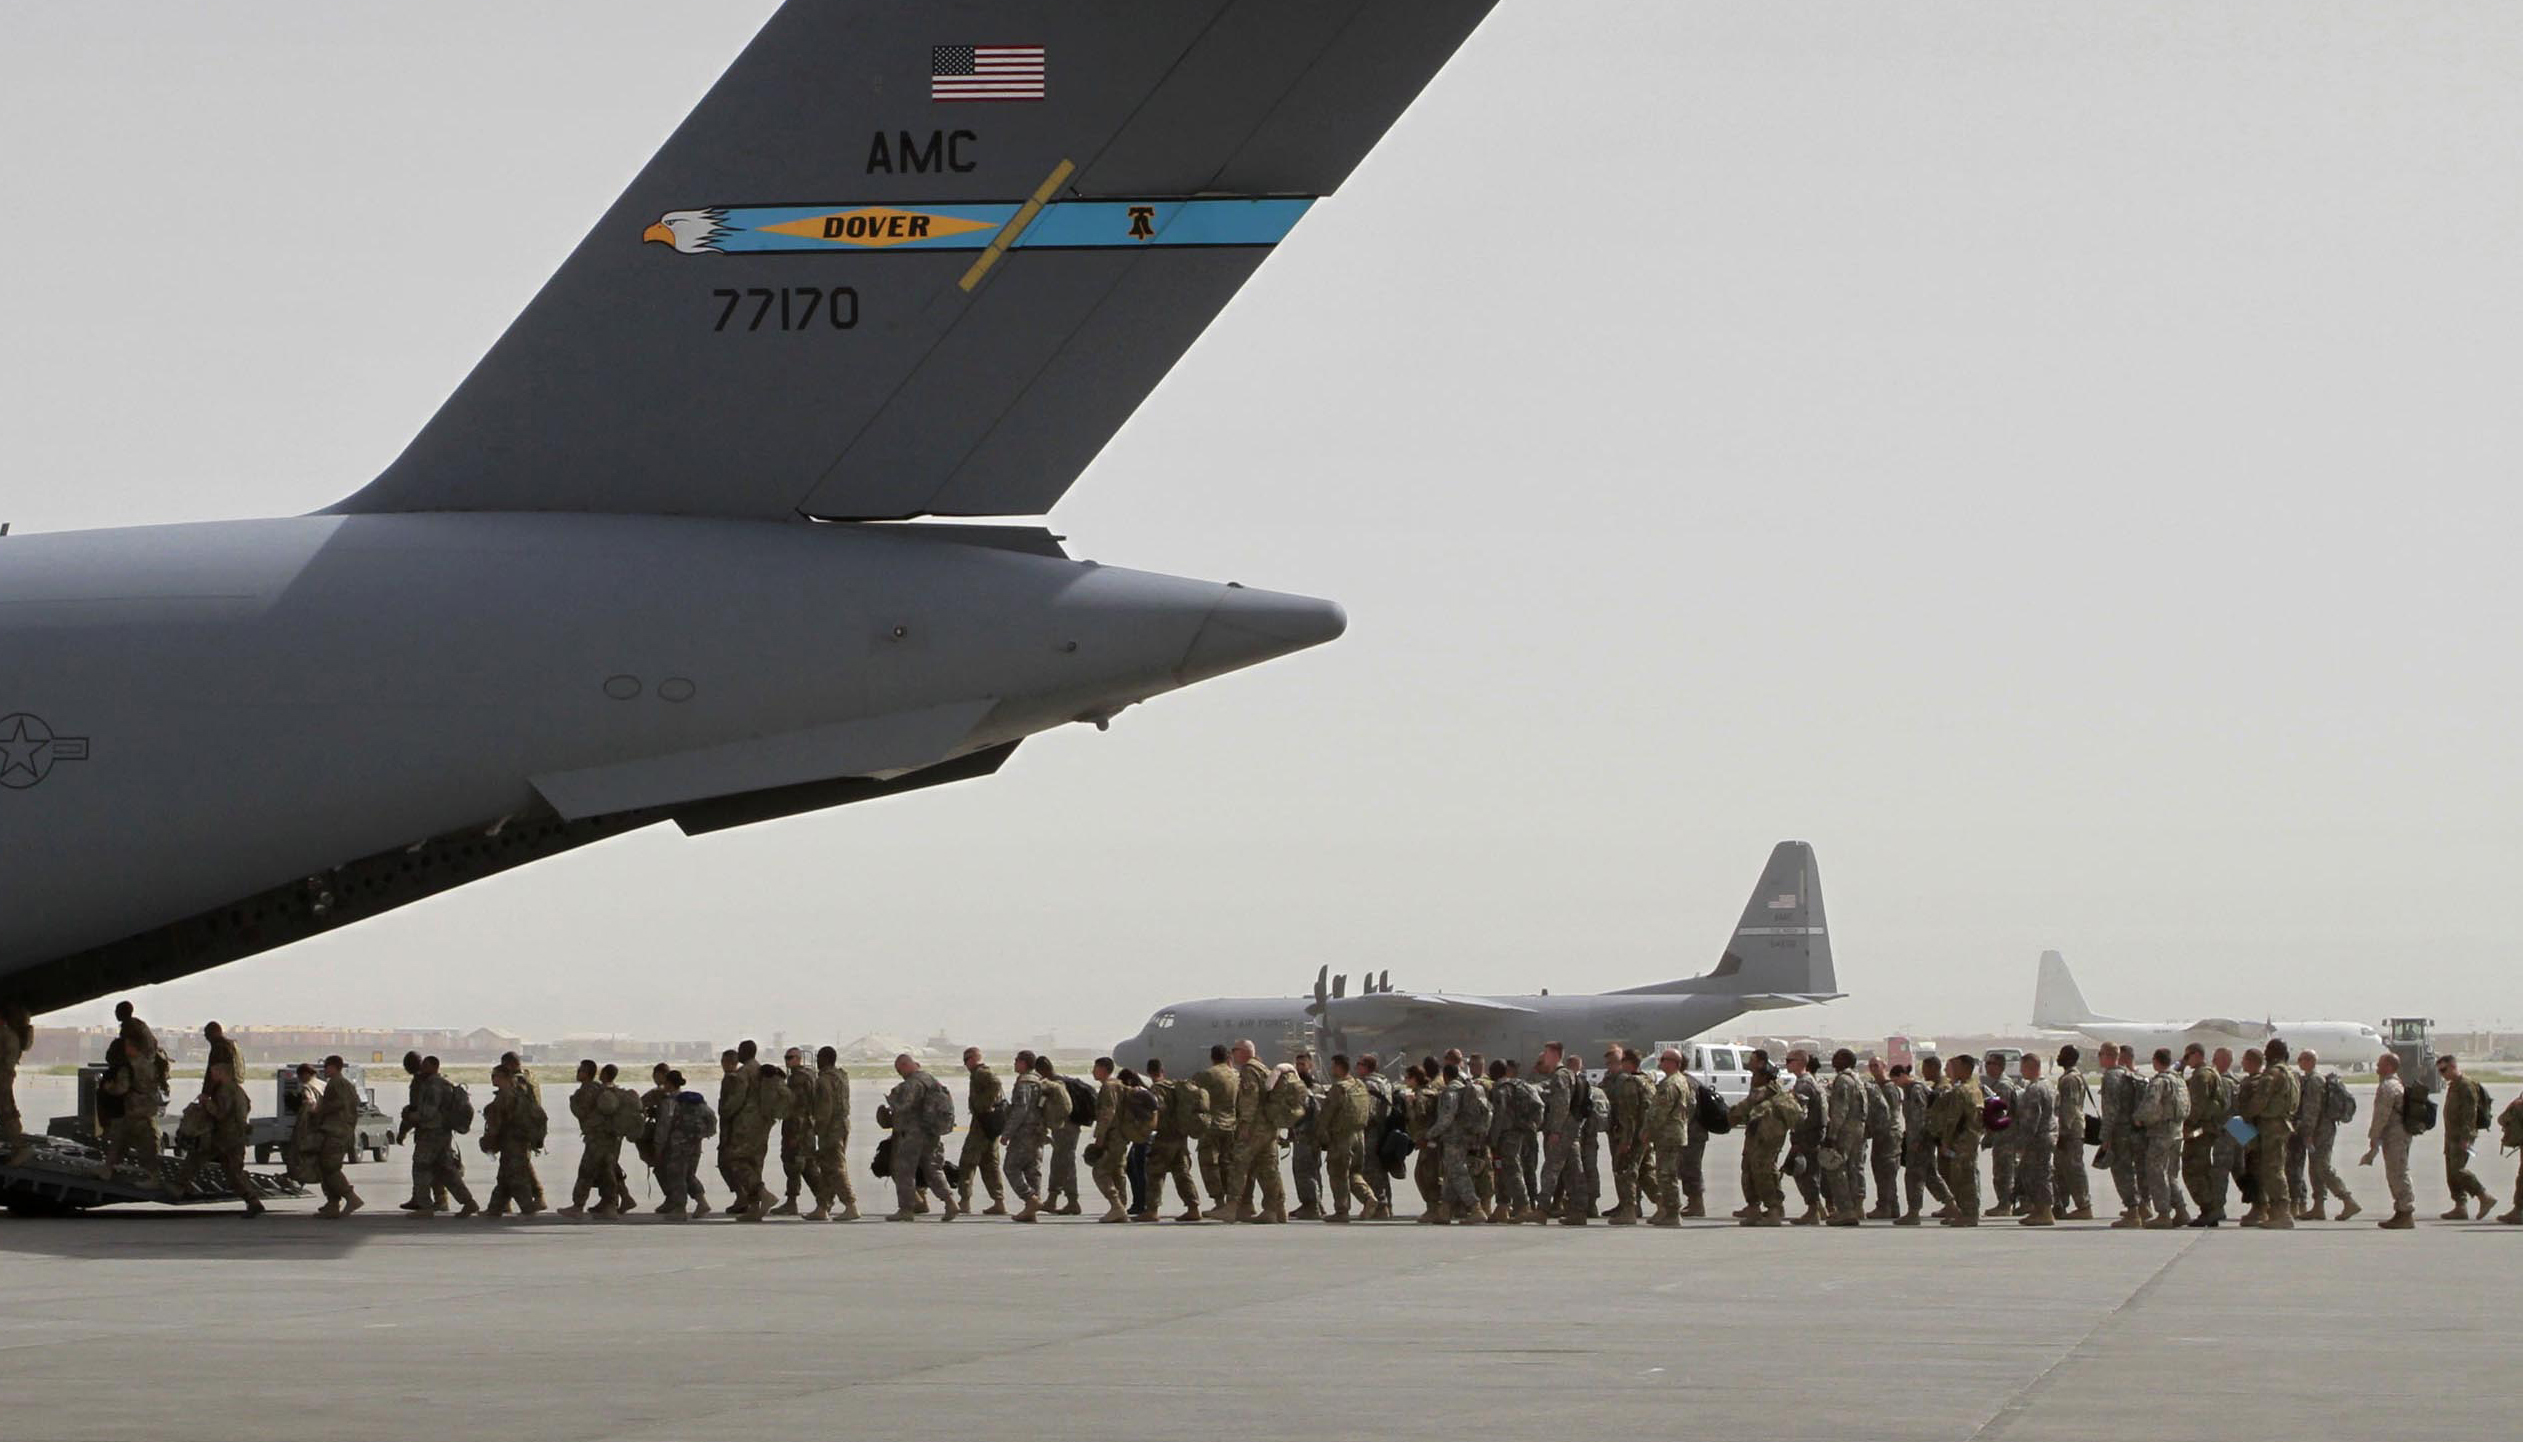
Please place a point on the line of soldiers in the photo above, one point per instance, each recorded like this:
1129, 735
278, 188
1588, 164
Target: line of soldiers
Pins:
1482, 1141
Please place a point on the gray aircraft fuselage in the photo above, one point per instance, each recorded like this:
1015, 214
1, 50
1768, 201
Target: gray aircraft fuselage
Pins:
1181, 1035
232, 707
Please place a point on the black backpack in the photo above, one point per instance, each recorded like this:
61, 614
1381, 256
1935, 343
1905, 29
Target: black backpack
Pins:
2417, 1111
1396, 1150
882, 1164
1081, 1102
1581, 1099
1713, 1116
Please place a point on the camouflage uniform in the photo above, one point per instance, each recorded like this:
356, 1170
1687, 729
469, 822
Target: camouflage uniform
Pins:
435, 1161
797, 1137
600, 1138
1764, 1117
1028, 1128
2320, 1131
336, 1128
2036, 1129
505, 1137
1561, 1130
1922, 1177
1217, 1143
766, 1106
1459, 1105
1625, 1096
2006, 1149
735, 1098
138, 1091
2161, 1109
1954, 1119
1515, 1131
2233, 1158
231, 1119
2463, 1120
1255, 1159
2274, 1114
2388, 1135
1379, 1121
2119, 1091
1668, 1119
1181, 1117
1842, 1154
923, 1110
1341, 1128
1804, 1142
980, 1156
2071, 1190
1305, 1154
1883, 1145
830, 1175
2202, 1173
1112, 1150
1063, 1188
684, 1122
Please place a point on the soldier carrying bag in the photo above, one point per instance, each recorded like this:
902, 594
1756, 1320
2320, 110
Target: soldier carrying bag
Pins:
1081, 1102
2338, 1103
1714, 1118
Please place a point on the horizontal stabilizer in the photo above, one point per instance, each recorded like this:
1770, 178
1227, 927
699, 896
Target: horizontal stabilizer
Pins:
873, 746
920, 257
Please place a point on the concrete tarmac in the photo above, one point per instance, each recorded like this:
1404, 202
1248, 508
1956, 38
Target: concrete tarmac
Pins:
163, 1321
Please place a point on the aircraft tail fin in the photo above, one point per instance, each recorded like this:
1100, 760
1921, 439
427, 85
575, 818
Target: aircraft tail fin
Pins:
891, 266
1780, 953
2057, 1001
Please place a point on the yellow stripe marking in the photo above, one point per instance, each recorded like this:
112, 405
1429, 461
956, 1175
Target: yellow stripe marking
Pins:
1016, 227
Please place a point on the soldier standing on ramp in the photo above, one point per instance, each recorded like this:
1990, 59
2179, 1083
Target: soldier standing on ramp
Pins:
1029, 1103
1843, 1150
2273, 1111
2318, 1116
1669, 1109
2071, 1189
437, 1112
1341, 1123
2465, 1116
1883, 1140
231, 1120
1764, 1118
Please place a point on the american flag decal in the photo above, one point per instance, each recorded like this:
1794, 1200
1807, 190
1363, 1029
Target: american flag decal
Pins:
987, 72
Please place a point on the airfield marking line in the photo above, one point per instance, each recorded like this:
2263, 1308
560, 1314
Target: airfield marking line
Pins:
2014, 1408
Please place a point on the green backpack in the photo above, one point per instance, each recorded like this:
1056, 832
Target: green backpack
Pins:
1286, 1100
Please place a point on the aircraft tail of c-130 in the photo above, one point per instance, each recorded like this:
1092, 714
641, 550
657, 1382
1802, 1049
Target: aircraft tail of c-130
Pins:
908, 258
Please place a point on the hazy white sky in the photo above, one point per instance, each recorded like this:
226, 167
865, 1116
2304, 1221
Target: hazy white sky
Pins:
2059, 459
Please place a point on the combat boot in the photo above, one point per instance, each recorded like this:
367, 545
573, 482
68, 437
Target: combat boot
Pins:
2512, 1216
1228, 1212
2277, 1221
2162, 1224
1070, 1208
2037, 1217
2253, 1217
1278, 1213
1745, 1211
1695, 1207
2314, 1213
821, 1213
2486, 1201
1192, 1214
1665, 1217
1623, 1215
1809, 1217
2401, 1221
574, 1210
2348, 1209
1846, 1219
2081, 1214
2460, 1212
2206, 1219
1436, 1216
1032, 1212
1883, 1211
948, 1211
2129, 1222
471, 1209
1945, 1213
997, 1208
2002, 1209
1574, 1218
1114, 1213
1906, 1219
499, 1207
329, 1210
1310, 1212
849, 1213
784, 1209
352, 1203
1339, 1217
905, 1215
1774, 1217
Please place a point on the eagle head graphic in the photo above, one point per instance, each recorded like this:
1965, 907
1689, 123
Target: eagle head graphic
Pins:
693, 232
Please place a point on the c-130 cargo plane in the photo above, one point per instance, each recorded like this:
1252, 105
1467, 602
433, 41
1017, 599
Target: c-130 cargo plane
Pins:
668, 553
1779, 955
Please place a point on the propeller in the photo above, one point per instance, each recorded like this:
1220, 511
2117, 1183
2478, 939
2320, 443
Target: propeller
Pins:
1340, 986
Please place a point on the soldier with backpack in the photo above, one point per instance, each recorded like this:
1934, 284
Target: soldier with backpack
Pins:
2006, 1147
797, 1130
1109, 1149
227, 1118
2118, 1089
136, 1077
1254, 1163
923, 1112
1030, 1098
1920, 1177
1341, 1127
1955, 1120
507, 1137
1668, 1123
1765, 1117
2465, 1114
685, 1123
2388, 1134
2510, 1138
1515, 1131
1842, 1155
984, 1120
1564, 1100
1463, 1115
439, 1112
735, 1098
336, 1125
1061, 1198
2272, 1109
2163, 1108
2326, 1105
2036, 1127
830, 1108
1305, 1153
2071, 1186
592, 1107
1180, 1119
2211, 1095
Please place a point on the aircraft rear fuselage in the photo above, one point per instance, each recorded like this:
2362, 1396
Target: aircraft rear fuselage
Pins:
202, 712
